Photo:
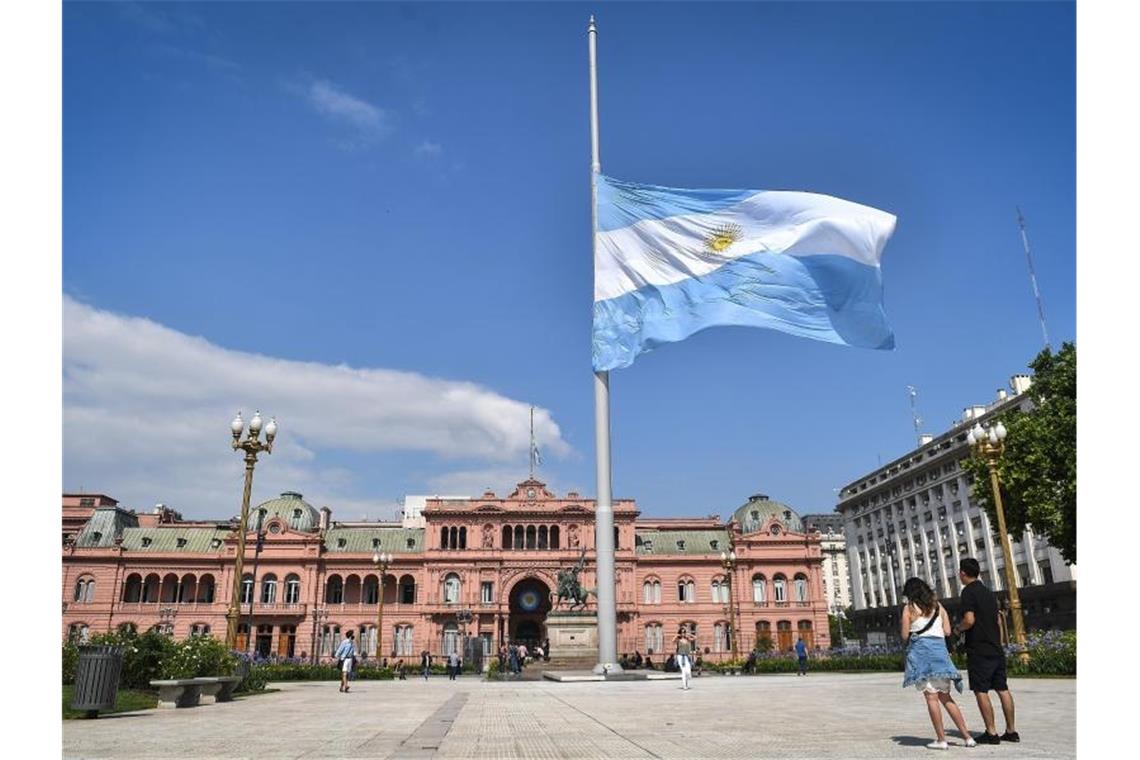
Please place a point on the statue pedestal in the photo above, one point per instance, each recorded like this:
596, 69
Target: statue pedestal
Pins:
573, 638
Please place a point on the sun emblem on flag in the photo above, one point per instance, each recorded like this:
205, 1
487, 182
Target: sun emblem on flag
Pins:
723, 237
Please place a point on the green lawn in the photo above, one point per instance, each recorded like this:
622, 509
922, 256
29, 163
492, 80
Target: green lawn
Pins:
127, 700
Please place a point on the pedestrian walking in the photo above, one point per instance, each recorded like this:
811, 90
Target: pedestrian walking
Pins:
684, 656
502, 658
924, 628
425, 663
545, 650
453, 665
345, 659
513, 659
985, 657
400, 668
801, 653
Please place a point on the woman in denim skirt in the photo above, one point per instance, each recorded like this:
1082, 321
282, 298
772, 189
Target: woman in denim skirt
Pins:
925, 626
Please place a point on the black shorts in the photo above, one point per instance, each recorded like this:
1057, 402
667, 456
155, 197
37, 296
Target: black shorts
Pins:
987, 673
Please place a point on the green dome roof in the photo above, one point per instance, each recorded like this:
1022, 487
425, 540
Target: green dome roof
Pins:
294, 511
759, 509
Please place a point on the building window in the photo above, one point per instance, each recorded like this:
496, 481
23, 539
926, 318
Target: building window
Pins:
295, 522
200, 629
371, 590
78, 632
720, 591
341, 543
269, 589
334, 590
407, 590
128, 629
654, 640
146, 541
720, 637
450, 638
780, 586
451, 589
246, 589
686, 590
487, 592
411, 543
681, 546
85, 590
292, 589
651, 591
801, 588
404, 640
330, 640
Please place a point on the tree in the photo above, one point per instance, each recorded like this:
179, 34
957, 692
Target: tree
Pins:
1038, 468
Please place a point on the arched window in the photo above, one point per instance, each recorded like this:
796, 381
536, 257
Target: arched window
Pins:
443, 538
759, 589
78, 632
801, 587
330, 640
186, 588
269, 589
451, 589
463, 538
720, 637
617, 544
151, 588
654, 639
780, 586
404, 640
169, 588
647, 592
334, 590
295, 521
366, 638
554, 537
506, 537
371, 590
454, 538
450, 638
132, 589
85, 589
520, 537
531, 537
206, 589
407, 590
200, 629
246, 589
686, 590
543, 537
720, 590
292, 589
127, 629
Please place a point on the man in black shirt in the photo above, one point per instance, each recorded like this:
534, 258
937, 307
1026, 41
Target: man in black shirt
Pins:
984, 652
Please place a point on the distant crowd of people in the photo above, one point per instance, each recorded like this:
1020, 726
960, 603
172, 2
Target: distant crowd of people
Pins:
515, 656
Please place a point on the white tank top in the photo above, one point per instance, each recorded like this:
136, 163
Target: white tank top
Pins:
917, 624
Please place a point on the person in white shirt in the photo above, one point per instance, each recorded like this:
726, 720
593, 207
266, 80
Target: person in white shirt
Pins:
346, 659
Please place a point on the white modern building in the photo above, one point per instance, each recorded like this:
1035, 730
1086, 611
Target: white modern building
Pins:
833, 542
914, 517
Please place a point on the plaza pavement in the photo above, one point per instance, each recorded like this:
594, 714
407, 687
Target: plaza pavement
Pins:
825, 715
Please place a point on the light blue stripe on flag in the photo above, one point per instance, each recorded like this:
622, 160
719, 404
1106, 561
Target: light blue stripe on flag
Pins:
669, 263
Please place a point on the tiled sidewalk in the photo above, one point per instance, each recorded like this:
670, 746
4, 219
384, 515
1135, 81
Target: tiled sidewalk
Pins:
820, 716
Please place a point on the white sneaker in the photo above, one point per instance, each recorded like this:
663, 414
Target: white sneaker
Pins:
970, 742
938, 745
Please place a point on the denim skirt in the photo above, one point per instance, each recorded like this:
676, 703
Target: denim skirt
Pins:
928, 665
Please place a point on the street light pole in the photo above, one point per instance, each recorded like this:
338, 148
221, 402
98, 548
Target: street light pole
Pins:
381, 561
252, 446
989, 444
728, 562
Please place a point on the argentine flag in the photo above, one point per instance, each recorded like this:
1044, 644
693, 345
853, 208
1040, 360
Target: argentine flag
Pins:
669, 262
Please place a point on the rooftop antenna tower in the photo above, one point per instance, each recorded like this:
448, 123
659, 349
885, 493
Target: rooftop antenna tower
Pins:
913, 393
1033, 278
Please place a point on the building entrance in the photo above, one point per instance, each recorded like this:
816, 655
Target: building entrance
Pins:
529, 604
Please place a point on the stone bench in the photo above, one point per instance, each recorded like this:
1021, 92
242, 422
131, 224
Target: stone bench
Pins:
181, 692
219, 688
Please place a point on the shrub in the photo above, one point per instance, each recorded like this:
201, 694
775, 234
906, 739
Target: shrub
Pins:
198, 656
143, 655
70, 660
303, 672
1050, 653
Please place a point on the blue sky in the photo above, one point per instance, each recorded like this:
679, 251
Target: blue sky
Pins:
373, 220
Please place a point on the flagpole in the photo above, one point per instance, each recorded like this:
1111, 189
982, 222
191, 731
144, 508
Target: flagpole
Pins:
604, 514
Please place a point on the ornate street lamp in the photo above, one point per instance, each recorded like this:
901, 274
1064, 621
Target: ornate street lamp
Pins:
728, 562
381, 561
252, 446
989, 443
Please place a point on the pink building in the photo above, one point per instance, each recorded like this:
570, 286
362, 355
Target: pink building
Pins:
495, 558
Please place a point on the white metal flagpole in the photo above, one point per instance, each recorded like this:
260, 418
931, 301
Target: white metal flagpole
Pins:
604, 514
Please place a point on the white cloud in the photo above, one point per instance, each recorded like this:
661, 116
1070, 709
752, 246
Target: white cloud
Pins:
338, 105
147, 408
428, 149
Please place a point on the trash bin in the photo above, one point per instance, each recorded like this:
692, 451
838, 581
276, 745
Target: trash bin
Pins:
97, 679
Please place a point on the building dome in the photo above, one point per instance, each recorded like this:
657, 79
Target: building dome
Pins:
294, 511
759, 509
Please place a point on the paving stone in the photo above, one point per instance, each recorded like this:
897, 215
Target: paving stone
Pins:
722, 718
